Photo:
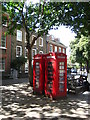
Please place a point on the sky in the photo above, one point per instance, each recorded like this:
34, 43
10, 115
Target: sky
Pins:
33, 1
65, 35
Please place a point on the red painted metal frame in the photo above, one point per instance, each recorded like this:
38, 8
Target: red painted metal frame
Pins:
55, 58
39, 58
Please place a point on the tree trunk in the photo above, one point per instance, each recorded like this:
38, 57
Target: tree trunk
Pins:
80, 66
30, 72
30, 66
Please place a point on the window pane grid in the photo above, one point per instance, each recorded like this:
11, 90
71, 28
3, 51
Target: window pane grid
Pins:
61, 76
3, 41
55, 48
51, 48
2, 64
18, 51
63, 50
59, 49
19, 35
41, 41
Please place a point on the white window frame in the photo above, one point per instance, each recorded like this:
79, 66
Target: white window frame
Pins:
35, 40
26, 52
55, 49
32, 52
3, 47
20, 51
39, 41
63, 50
51, 46
19, 35
2, 65
60, 49
40, 52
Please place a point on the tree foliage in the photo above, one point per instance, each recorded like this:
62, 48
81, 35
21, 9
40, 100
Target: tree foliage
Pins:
80, 51
77, 17
43, 16
18, 62
39, 18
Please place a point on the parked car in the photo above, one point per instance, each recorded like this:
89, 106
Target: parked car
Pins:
73, 70
77, 83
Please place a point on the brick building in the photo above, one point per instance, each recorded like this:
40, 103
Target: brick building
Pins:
15, 46
54, 45
40, 45
5, 50
18, 47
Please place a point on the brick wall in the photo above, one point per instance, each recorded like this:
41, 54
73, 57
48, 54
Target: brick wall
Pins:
48, 47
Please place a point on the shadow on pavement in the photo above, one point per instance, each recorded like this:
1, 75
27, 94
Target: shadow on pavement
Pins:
14, 81
19, 103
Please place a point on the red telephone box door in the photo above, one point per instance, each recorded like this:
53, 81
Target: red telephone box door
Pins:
62, 76
49, 76
38, 74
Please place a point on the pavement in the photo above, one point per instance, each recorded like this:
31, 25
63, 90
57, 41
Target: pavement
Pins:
19, 103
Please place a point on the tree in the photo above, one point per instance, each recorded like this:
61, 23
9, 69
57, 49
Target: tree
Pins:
18, 62
80, 51
33, 18
76, 16
41, 17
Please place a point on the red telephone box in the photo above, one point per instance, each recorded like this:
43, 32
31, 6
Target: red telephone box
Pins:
56, 74
39, 73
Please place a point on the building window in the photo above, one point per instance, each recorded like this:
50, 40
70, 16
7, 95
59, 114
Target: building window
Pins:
41, 52
26, 67
26, 52
19, 35
2, 64
59, 49
3, 41
33, 38
33, 52
51, 48
55, 49
63, 50
40, 41
18, 51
